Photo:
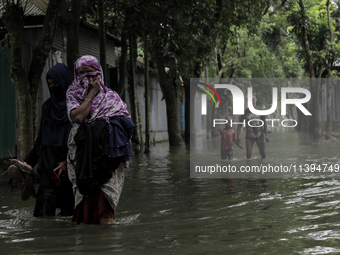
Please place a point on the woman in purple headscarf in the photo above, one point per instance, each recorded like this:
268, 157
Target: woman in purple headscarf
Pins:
50, 151
98, 143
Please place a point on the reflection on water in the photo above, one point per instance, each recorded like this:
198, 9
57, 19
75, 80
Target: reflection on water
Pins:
163, 211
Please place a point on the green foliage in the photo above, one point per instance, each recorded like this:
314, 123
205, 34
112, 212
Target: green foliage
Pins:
315, 20
191, 34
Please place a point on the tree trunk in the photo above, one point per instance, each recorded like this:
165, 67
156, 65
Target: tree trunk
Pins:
219, 57
139, 115
306, 42
139, 122
315, 86
190, 131
13, 20
41, 52
133, 95
124, 53
329, 123
315, 108
283, 63
102, 38
72, 44
147, 96
122, 61
26, 85
171, 101
299, 127
72, 18
208, 118
329, 21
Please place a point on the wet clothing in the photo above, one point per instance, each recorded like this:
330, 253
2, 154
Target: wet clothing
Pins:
227, 138
227, 153
50, 148
112, 188
93, 164
120, 132
227, 142
92, 208
49, 195
105, 107
260, 139
256, 128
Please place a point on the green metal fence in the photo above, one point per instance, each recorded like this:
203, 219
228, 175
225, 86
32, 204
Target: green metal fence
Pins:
7, 108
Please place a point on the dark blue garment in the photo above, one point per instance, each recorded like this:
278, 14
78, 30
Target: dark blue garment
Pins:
56, 125
120, 131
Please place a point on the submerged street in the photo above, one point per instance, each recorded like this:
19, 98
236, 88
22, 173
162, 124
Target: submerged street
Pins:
164, 211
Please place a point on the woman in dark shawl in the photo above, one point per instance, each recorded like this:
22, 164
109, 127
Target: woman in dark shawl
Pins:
50, 150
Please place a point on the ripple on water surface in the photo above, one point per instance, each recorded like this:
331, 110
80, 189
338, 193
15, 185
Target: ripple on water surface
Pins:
163, 211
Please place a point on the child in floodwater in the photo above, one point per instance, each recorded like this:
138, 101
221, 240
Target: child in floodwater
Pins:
227, 140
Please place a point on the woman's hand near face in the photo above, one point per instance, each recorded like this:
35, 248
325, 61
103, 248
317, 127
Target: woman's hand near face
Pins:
79, 114
94, 86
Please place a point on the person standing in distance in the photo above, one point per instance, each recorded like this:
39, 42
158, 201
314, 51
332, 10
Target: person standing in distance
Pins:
256, 133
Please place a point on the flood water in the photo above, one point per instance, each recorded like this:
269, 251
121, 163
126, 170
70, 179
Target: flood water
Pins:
163, 211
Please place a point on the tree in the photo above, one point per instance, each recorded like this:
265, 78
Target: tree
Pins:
119, 18
139, 18
147, 95
182, 40
102, 38
71, 11
311, 21
329, 123
26, 83
162, 31
135, 109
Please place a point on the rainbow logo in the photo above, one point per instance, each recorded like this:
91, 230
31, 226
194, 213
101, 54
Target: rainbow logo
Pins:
208, 92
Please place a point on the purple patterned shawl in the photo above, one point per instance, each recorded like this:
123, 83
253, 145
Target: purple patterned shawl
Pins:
107, 102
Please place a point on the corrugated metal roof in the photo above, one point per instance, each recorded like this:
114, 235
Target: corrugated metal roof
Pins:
41, 4
32, 7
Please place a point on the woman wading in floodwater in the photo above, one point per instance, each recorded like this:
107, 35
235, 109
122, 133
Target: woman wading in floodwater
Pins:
49, 152
99, 143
